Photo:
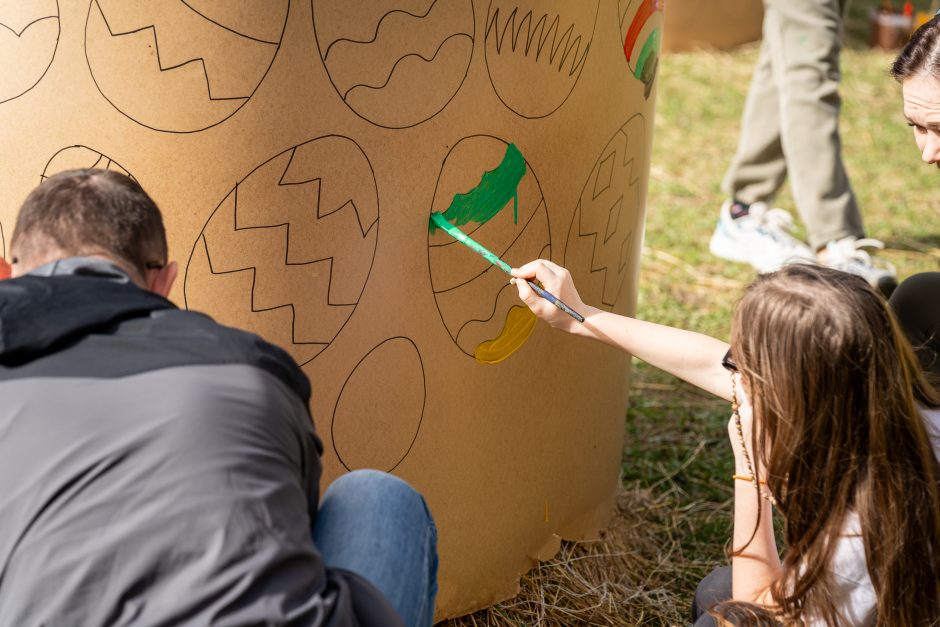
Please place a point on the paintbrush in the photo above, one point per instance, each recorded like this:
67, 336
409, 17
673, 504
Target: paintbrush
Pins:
440, 221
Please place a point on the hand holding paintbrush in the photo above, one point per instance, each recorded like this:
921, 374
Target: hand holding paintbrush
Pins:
441, 222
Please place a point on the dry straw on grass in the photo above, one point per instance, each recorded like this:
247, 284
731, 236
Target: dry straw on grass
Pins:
628, 577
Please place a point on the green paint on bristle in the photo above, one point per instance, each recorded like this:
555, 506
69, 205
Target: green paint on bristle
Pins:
490, 195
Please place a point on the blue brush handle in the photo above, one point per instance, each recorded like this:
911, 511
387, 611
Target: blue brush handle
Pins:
554, 300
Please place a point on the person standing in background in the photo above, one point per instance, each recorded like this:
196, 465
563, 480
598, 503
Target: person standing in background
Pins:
790, 130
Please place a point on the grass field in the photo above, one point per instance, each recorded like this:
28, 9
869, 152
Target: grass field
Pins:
674, 518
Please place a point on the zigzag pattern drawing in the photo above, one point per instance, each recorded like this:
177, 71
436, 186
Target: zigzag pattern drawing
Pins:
539, 35
167, 66
536, 51
602, 239
288, 252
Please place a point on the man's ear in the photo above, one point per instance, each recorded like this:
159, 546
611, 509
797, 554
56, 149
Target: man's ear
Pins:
161, 281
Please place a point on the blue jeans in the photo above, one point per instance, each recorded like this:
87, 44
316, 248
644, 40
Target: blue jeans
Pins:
377, 526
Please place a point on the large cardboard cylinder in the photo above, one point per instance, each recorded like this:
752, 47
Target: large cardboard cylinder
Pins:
297, 149
716, 24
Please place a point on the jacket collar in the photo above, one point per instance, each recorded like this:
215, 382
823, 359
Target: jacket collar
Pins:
64, 301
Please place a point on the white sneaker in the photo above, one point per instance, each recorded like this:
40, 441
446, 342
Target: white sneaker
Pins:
760, 238
848, 254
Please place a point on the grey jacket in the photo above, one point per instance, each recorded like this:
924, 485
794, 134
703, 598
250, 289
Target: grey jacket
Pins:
156, 468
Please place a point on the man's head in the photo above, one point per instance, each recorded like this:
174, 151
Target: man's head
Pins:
97, 213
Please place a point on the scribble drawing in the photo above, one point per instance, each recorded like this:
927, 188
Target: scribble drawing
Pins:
29, 37
395, 63
641, 21
79, 157
604, 237
380, 408
535, 51
182, 66
288, 251
483, 317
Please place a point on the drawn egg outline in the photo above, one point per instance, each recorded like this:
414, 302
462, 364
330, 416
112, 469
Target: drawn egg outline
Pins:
573, 237
544, 251
152, 127
120, 168
375, 226
346, 461
493, 82
444, 105
55, 49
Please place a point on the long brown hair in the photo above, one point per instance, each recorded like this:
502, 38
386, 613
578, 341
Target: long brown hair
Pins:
837, 394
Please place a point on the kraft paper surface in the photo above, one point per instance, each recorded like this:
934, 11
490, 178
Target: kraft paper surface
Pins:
297, 149
718, 24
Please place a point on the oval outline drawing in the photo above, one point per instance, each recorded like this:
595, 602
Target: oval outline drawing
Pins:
374, 225
424, 401
444, 105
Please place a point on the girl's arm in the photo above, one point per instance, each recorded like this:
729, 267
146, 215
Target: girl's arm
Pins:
757, 565
693, 357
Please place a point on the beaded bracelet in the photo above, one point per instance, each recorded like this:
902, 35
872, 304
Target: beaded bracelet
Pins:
749, 479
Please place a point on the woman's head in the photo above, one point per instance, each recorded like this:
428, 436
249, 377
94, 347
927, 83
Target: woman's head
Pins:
835, 389
917, 68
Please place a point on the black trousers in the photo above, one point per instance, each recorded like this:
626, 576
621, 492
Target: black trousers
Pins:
916, 303
715, 588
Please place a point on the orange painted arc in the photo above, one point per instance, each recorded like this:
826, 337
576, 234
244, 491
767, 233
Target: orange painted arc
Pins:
643, 15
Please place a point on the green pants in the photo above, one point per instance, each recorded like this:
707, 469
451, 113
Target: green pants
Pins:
790, 126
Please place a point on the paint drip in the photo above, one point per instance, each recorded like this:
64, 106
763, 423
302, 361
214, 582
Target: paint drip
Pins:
490, 195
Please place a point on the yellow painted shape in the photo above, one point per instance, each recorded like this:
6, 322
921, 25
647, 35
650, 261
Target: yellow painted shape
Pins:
517, 329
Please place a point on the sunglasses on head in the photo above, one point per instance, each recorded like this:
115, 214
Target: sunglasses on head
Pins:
727, 362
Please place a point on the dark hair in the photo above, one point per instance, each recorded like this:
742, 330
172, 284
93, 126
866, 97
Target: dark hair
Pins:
837, 395
84, 212
921, 54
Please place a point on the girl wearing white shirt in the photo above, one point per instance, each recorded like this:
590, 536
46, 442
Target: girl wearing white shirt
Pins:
832, 422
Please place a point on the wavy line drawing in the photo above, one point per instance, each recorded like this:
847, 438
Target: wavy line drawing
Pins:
29, 38
639, 22
395, 63
380, 409
378, 26
603, 241
288, 252
80, 157
469, 293
535, 51
413, 55
167, 66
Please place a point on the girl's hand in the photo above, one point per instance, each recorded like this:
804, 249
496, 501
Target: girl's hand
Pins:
556, 280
